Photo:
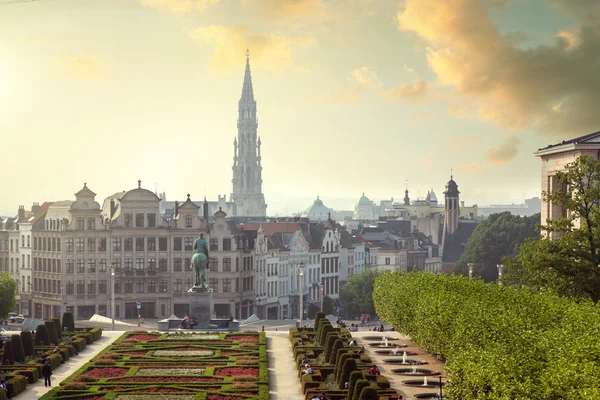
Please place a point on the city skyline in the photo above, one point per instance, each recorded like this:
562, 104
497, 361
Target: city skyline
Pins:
108, 93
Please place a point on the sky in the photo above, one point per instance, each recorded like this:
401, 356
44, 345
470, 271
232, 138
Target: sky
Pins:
353, 96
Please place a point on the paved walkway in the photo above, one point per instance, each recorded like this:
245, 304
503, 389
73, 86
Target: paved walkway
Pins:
283, 375
37, 390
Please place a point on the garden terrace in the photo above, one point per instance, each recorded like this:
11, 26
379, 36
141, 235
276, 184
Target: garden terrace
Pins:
144, 365
334, 362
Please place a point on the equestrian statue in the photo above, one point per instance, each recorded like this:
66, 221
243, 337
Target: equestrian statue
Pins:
200, 261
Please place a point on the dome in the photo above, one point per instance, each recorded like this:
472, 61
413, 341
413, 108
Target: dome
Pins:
451, 188
364, 201
432, 196
317, 202
317, 211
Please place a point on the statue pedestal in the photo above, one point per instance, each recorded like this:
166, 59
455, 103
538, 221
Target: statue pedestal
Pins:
201, 306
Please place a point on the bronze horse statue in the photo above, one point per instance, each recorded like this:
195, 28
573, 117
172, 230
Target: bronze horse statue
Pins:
200, 263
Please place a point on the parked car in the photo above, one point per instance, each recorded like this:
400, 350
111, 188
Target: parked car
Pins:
5, 334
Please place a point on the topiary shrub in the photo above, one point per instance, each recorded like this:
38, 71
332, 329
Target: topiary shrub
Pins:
8, 357
325, 329
354, 377
68, 321
328, 346
41, 336
318, 316
18, 351
358, 387
347, 369
342, 357
27, 341
368, 393
338, 344
58, 329
52, 332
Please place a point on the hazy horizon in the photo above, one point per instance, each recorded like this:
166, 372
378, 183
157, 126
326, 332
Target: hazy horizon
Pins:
353, 96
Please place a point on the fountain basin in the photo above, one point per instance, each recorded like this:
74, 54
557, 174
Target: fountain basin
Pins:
415, 371
398, 353
409, 361
379, 338
434, 383
389, 345
428, 396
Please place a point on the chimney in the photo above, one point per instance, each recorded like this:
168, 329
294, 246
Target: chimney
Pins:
35, 208
205, 210
176, 211
113, 207
462, 203
21, 211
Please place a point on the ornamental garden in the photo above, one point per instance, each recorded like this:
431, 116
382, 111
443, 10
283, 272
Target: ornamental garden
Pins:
182, 366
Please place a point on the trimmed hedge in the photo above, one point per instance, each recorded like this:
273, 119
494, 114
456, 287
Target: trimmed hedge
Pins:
358, 388
8, 357
42, 337
17, 346
338, 344
368, 393
347, 369
68, 321
52, 332
16, 384
58, 328
27, 341
354, 377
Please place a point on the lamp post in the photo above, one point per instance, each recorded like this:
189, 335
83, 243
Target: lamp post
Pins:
470, 265
322, 290
112, 293
301, 269
500, 267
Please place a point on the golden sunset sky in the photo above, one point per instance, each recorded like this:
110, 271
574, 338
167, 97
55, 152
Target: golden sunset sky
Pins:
353, 95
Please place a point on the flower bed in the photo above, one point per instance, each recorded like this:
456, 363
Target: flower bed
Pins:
170, 366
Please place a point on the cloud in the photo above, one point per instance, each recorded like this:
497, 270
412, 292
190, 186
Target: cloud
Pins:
365, 77
313, 10
408, 69
359, 81
271, 52
473, 168
179, 6
505, 152
513, 87
415, 91
83, 67
341, 95
464, 143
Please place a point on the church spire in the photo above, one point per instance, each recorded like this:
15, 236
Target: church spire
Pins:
247, 92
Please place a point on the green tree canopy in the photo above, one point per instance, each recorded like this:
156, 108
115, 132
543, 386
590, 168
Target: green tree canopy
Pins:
494, 238
8, 291
328, 307
567, 259
356, 295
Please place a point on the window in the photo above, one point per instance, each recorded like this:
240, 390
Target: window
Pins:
80, 224
80, 266
237, 265
177, 265
177, 244
214, 244
227, 244
53, 247
152, 265
139, 264
128, 244
92, 287
162, 244
116, 244
117, 287
188, 221
162, 264
187, 262
189, 243
117, 264
139, 220
387, 261
139, 244
102, 287
139, 286
128, 265
226, 265
151, 243
91, 224
213, 264
129, 286
151, 220
128, 220
162, 286
70, 286
91, 266
80, 245
226, 285
70, 266
91, 245
28, 241
80, 286
102, 267
151, 287
101, 245
177, 285
213, 284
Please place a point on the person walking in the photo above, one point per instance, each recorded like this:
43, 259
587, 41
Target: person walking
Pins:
47, 373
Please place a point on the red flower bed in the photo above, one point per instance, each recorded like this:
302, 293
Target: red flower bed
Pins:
236, 371
243, 337
135, 353
166, 379
106, 372
142, 337
196, 365
219, 397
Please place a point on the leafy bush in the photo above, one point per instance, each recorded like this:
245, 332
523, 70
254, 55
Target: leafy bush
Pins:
27, 341
354, 377
358, 387
17, 347
500, 342
42, 337
58, 329
68, 321
368, 393
96, 333
31, 374
16, 384
52, 332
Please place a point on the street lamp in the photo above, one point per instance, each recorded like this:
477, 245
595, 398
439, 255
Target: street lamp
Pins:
470, 265
301, 269
112, 294
500, 267
322, 289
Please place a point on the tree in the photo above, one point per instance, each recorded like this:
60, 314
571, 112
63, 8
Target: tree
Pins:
567, 258
496, 237
8, 292
328, 307
356, 295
